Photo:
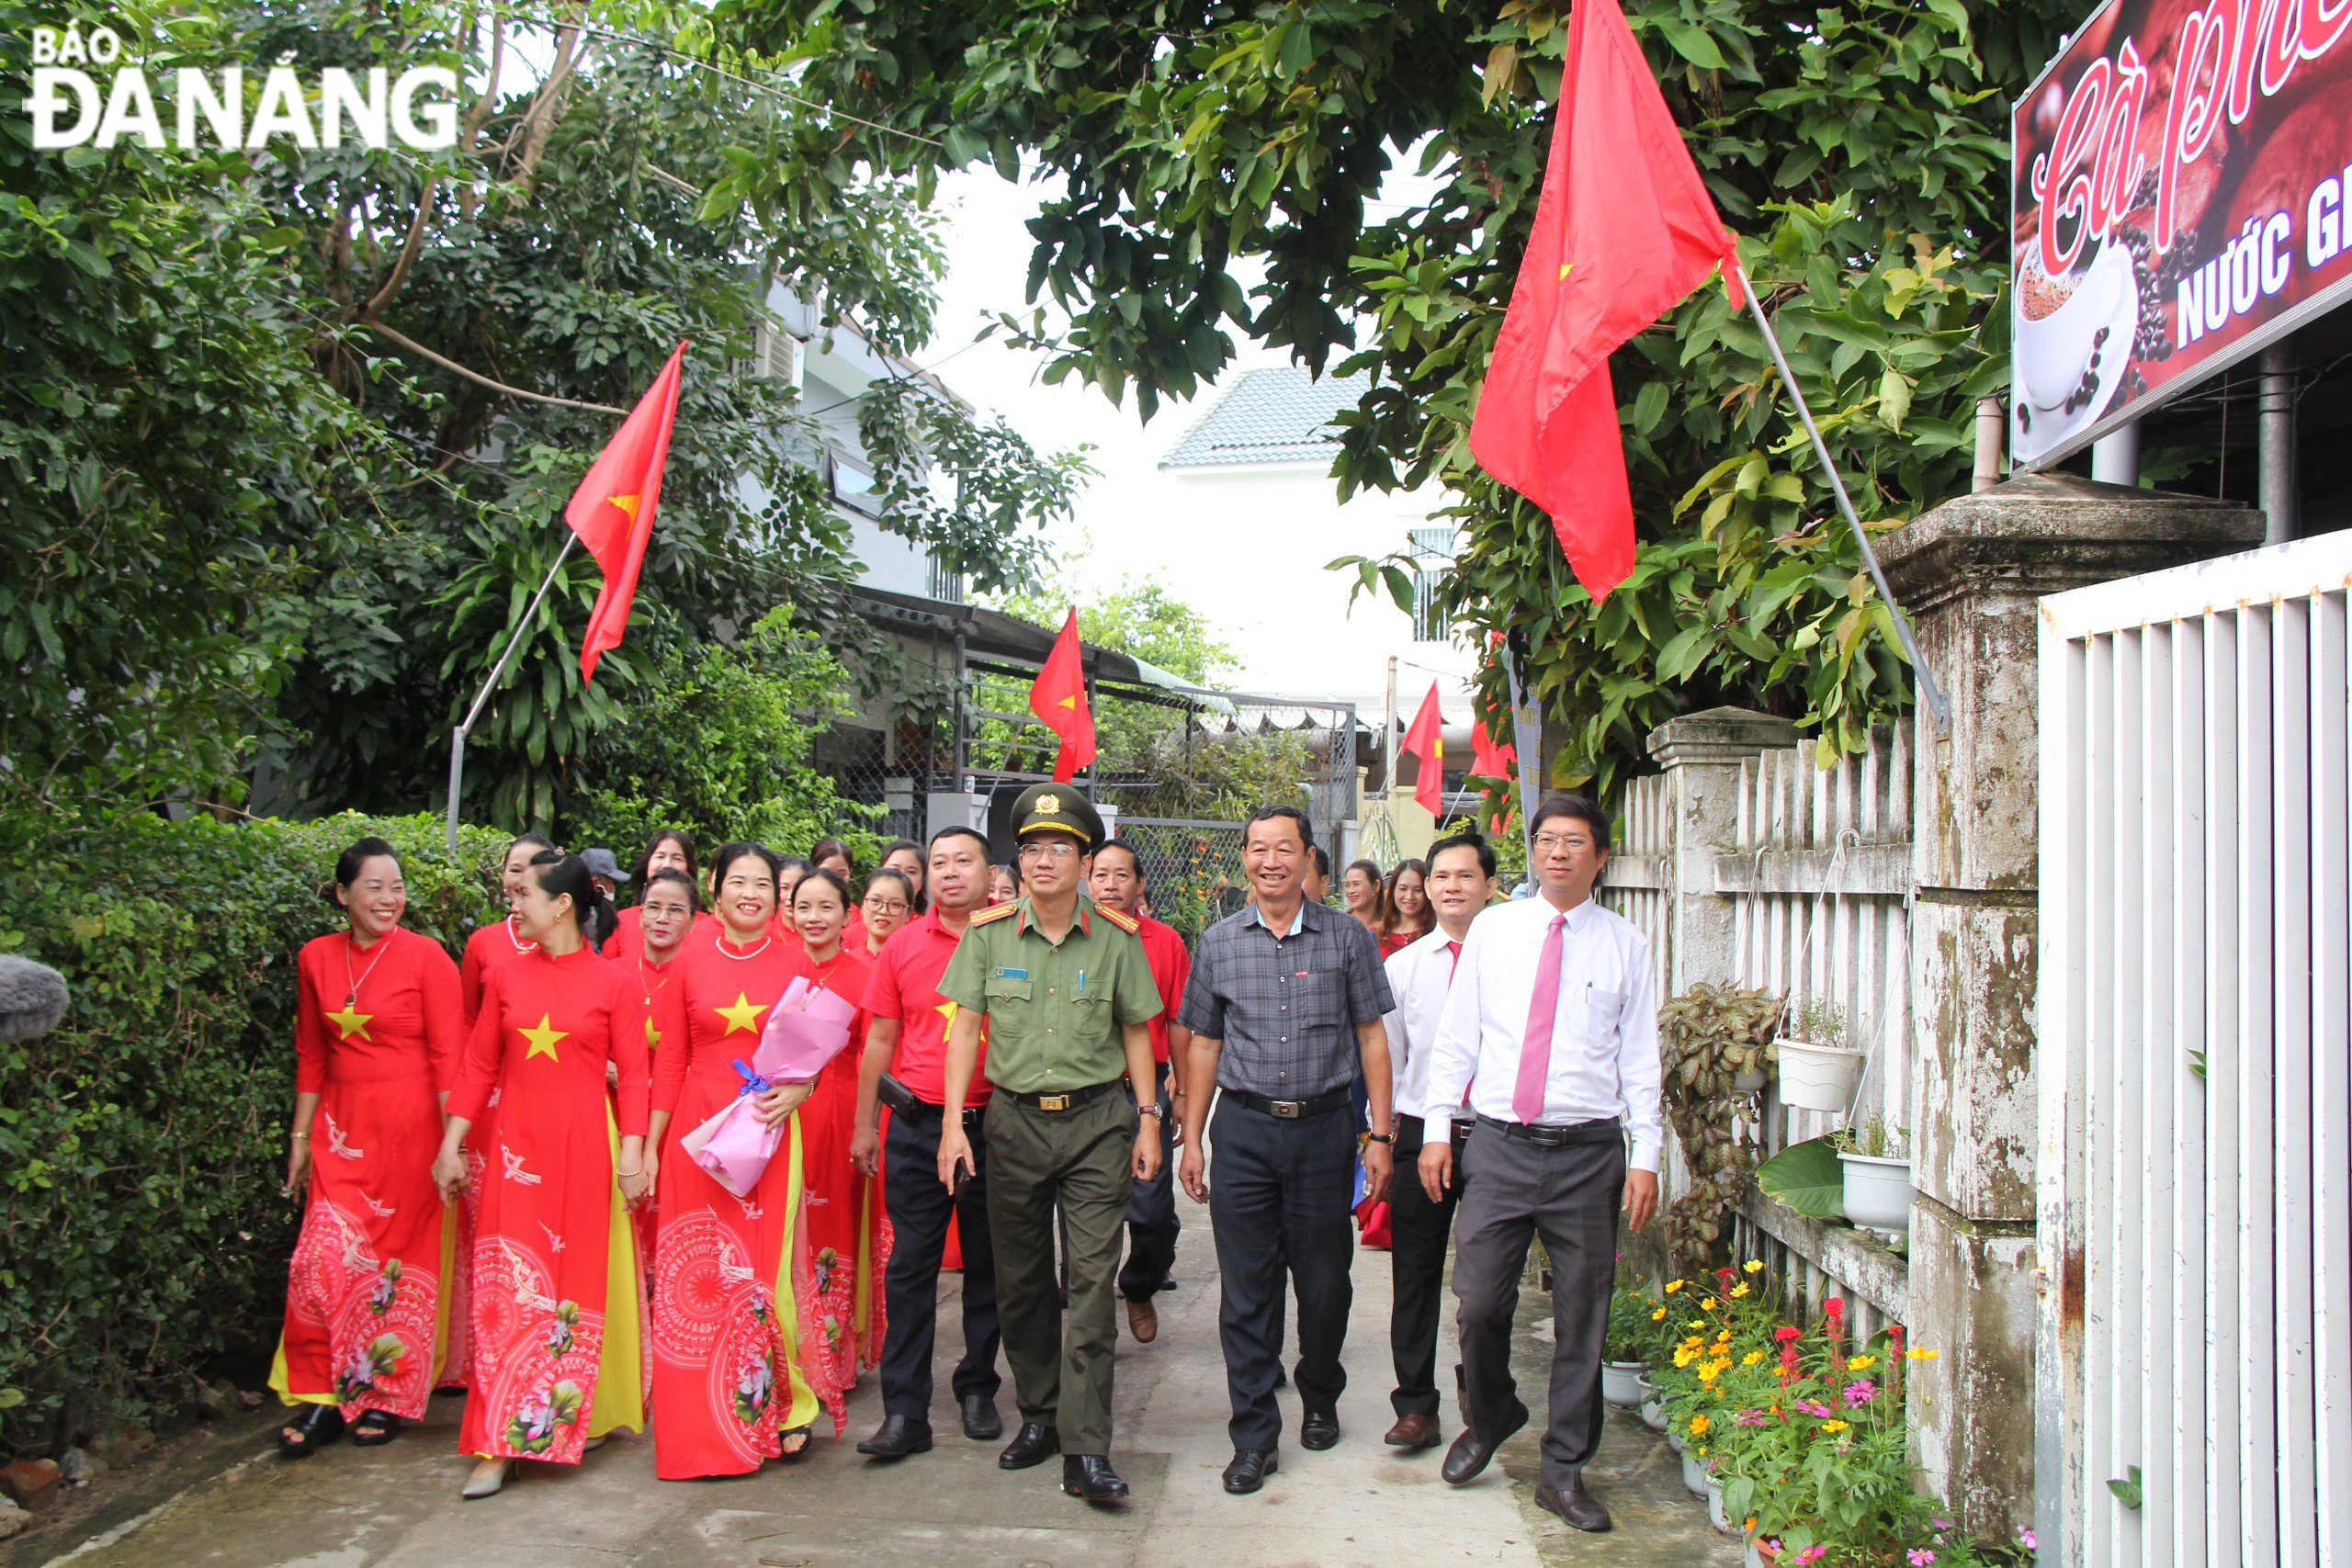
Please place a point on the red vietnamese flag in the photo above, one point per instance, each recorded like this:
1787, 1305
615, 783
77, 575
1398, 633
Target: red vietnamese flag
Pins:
1426, 739
613, 509
1488, 761
1623, 229
1058, 699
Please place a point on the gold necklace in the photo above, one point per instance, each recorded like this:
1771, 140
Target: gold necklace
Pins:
383, 944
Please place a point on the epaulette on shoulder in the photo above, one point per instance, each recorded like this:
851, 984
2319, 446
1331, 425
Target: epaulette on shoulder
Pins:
993, 912
1127, 923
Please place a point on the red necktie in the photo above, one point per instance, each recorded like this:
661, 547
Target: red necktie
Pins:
1535, 1053
1454, 948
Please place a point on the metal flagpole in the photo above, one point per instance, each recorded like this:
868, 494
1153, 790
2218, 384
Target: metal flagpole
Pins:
458, 736
1938, 706
1527, 737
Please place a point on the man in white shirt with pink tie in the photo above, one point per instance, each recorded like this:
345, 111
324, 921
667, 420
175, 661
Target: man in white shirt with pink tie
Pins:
1551, 1024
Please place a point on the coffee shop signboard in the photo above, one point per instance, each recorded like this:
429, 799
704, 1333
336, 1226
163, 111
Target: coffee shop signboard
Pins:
2181, 196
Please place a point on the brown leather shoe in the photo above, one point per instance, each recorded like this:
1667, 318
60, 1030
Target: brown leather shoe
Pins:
1415, 1431
1143, 1319
1579, 1507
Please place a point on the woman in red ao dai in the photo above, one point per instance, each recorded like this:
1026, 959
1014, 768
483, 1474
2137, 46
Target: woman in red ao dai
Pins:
555, 1285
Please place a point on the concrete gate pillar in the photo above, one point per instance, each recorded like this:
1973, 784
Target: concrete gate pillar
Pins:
1968, 574
1701, 753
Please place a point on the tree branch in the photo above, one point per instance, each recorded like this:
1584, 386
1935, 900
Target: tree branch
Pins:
407, 258
539, 121
479, 380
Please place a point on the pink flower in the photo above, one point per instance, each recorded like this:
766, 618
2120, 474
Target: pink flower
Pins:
1860, 1392
1811, 1554
2025, 1538
1751, 1419
1810, 1408
1920, 1557
1940, 1523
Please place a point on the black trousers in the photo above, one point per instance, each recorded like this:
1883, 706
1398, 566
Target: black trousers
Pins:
1569, 1196
1418, 1232
920, 1209
1152, 1225
1279, 1196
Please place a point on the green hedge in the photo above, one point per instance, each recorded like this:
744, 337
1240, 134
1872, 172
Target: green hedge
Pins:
142, 1237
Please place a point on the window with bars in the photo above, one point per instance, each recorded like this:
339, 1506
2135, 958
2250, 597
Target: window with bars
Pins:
1432, 553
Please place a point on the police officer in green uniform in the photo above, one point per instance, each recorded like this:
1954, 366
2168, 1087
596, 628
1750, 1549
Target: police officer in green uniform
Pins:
1067, 993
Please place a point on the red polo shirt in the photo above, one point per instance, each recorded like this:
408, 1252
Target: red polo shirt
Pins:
905, 987
1172, 965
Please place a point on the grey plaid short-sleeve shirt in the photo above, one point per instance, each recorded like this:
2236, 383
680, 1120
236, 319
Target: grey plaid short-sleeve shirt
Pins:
1286, 1007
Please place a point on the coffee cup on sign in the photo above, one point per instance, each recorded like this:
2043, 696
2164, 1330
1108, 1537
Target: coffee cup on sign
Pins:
2060, 318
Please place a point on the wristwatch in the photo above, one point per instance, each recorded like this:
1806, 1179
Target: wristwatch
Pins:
1389, 1138
1150, 1110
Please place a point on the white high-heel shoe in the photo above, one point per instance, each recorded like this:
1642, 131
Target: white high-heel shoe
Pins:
488, 1478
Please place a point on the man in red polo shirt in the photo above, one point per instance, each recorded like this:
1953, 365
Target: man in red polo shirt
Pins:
907, 1039
1118, 885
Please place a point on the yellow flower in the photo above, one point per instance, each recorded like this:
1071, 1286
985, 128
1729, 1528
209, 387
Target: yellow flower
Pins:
1672, 1286
1751, 1358
1707, 1305
1916, 1354
1699, 1424
1658, 1317
1754, 1265
1684, 1357
1739, 1290
1833, 1426
1861, 1363
1697, 1322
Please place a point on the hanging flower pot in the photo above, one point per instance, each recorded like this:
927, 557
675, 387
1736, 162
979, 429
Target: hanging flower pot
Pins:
1878, 1192
1621, 1383
1816, 1077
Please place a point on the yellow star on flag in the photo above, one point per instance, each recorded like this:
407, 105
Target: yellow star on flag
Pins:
1071, 701
542, 1040
628, 503
948, 1012
351, 1020
744, 1015
1565, 269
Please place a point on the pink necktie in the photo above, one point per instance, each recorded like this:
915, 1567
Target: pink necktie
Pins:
1535, 1052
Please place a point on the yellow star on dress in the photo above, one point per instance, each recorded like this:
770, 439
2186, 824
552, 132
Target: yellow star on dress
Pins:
744, 1015
543, 1040
948, 1012
653, 1035
351, 1020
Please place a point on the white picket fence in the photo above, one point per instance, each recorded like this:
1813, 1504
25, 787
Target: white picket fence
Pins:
1818, 865
2196, 1228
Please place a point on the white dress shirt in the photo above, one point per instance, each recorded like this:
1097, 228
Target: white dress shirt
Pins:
1604, 1057
1419, 973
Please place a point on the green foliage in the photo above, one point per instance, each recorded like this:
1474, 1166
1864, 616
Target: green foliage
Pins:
722, 747
1859, 148
1807, 1178
1707, 1037
1631, 1336
252, 528
142, 1143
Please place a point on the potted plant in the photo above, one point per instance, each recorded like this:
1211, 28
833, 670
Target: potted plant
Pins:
1625, 1345
1876, 1162
1818, 1068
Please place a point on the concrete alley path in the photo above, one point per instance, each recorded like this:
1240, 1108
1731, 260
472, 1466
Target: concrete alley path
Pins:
398, 1507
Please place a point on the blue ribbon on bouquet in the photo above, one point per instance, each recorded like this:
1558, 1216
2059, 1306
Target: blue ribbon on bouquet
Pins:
752, 1082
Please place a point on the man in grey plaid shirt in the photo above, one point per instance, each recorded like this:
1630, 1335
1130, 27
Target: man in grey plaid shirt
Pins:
1286, 1000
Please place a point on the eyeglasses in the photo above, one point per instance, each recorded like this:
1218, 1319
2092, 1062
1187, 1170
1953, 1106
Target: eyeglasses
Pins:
1550, 843
1057, 852
886, 906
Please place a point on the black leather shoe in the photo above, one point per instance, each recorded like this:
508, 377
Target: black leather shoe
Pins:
981, 1423
1250, 1469
897, 1436
1470, 1454
1579, 1507
1319, 1430
1091, 1476
1036, 1443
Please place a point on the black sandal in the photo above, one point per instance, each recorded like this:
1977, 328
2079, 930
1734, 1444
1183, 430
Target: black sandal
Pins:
375, 1429
318, 1426
788, 1453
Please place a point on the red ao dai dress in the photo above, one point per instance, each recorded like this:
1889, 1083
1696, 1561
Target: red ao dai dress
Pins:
838, 1268
726, 1378
557, 1340
376, 1038
487, 949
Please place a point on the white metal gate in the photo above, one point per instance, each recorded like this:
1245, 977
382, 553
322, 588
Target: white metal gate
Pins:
2196, 1130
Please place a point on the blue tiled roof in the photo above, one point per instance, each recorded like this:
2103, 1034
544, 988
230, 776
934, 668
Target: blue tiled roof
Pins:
1280, 415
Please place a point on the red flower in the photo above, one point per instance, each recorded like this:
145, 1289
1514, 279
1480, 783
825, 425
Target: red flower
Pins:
1785, 1335
1834, 1309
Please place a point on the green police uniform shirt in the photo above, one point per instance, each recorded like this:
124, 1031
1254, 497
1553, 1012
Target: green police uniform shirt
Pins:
1055, 1009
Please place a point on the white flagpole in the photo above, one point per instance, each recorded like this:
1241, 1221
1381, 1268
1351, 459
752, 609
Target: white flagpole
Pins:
458, 736
1938, 706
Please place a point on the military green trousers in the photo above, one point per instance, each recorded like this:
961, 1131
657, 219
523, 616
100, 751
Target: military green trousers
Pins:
1081, 1160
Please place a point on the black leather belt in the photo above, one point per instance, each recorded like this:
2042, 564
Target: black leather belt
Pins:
1289, 1110
1606, 1130
1065, 1100
924, 1111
